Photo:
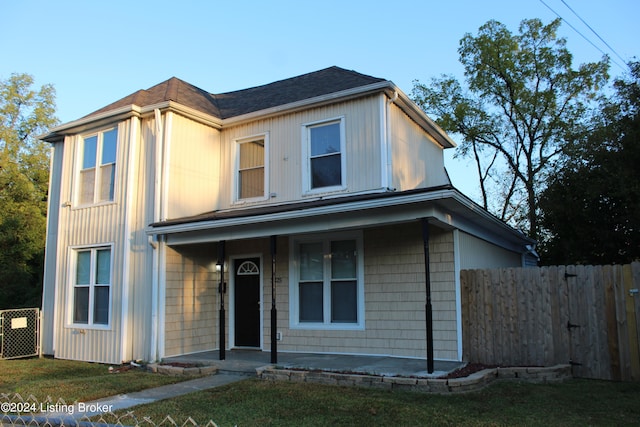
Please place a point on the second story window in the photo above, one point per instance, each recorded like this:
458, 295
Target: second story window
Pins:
98, 166
250, 179
325, 155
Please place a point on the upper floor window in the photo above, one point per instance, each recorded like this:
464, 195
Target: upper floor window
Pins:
325, 157
91, 286
251, 173
97, 173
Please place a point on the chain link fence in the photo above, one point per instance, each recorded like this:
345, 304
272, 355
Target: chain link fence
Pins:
16, 410
19, 333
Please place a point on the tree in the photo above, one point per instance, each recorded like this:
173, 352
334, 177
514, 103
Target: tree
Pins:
24, 176
591, 207
522, 103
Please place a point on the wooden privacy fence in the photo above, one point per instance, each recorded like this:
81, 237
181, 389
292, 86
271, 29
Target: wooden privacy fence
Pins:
588, 316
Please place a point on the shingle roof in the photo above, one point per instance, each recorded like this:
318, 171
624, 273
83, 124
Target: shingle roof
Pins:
231, 104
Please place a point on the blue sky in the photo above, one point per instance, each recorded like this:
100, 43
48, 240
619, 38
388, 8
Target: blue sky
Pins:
96, 52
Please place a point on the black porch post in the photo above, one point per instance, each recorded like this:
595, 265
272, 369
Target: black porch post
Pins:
221, 291
428, 308
274, 311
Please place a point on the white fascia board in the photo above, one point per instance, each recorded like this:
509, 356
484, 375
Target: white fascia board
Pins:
77, 126
297, 213
80, 125
423, 120
445, 208
183, 110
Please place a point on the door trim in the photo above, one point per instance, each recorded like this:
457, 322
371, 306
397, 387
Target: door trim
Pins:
232, 296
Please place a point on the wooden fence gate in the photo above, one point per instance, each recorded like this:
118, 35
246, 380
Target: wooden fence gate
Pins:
588, 316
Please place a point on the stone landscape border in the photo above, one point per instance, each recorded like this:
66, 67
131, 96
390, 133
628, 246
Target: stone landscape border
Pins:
177, 370
473, 382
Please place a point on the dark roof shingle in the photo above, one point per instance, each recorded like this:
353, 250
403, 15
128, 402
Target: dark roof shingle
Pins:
231, 104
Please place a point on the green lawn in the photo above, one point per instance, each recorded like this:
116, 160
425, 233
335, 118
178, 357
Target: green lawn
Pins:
254, 402
260, 403
72, 381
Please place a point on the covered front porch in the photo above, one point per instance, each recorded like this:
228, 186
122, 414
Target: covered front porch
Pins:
247, 361
331, 277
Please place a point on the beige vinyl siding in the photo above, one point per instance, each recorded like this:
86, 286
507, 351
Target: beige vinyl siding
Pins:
51, 258
193, 156
478, 253
395, 299
285, 163
141, 199
85, 226
191, 298
417, 160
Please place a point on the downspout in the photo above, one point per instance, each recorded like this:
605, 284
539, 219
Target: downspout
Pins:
428, 307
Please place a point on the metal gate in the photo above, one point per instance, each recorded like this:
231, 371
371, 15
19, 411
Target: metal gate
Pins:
19, 331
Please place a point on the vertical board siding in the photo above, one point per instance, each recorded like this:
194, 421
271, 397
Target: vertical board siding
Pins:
417, 160
82, 226
582, 315
478, 253
194, 161
285, 163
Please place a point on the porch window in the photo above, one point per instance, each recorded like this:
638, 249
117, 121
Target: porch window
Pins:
97, 173
250, 178
91, 286
329, 291
325, 158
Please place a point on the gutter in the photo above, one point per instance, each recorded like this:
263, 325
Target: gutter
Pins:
402, 100
300, 212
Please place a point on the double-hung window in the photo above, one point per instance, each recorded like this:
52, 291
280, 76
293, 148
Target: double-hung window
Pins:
329, 290
91, 288
251, 176
324, 155
98, 167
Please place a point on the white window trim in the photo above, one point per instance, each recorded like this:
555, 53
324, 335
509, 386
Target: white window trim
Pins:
96, 185
294, 274
306, 157
236, 170
71, 269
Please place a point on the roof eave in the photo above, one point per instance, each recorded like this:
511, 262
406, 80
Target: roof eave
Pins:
77, 126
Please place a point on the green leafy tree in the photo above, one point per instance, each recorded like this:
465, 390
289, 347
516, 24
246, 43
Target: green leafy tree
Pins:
24, 176
591, 207
522, 102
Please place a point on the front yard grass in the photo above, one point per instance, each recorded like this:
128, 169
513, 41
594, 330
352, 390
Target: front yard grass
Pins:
255, 402
72, 381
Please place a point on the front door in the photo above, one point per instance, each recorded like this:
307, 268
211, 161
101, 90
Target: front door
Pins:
247, 302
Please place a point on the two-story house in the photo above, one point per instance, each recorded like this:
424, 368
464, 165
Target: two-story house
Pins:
315, 211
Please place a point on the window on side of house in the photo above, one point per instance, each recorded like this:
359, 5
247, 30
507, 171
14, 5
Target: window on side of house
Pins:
329, 290
325, 157
91, 288
251, 171
98, 166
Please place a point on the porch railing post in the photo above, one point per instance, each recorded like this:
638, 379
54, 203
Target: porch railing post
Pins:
427, 306
221, 291
274, 311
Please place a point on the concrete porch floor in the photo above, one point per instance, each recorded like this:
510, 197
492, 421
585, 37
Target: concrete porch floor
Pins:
246, 361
